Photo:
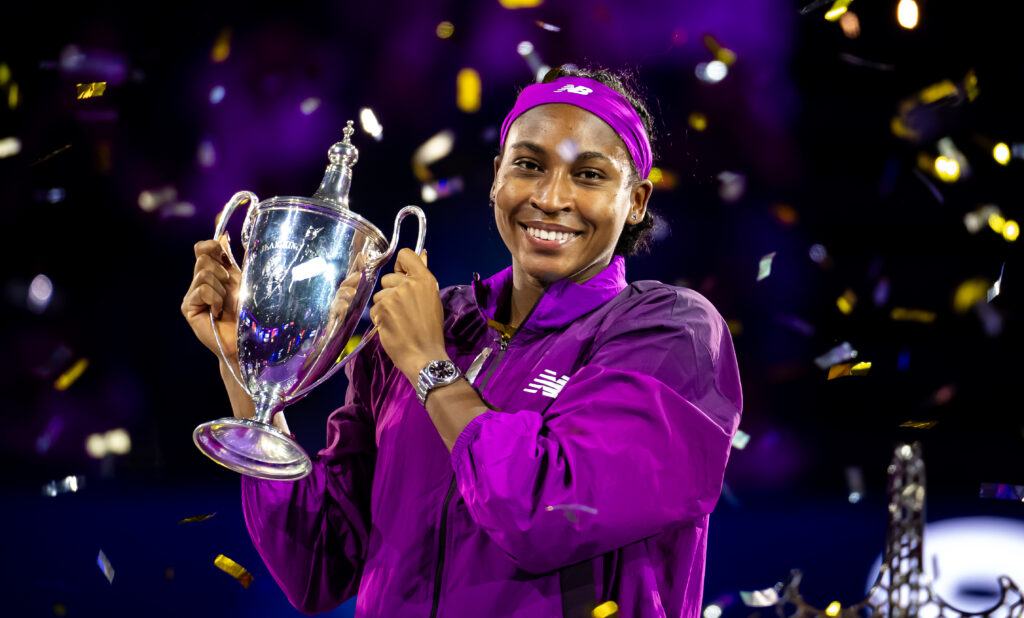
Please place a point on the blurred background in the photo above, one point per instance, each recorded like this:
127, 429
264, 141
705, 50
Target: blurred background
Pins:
828, 174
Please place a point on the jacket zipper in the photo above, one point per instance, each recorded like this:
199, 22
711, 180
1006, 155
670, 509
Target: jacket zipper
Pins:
443, 538
440, 549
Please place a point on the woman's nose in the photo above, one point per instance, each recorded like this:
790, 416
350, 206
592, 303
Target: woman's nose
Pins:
554, 193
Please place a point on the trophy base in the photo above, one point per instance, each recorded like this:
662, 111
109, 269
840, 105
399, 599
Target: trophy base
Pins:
252, 448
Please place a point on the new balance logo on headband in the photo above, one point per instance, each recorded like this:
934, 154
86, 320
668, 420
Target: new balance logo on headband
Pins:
575, 89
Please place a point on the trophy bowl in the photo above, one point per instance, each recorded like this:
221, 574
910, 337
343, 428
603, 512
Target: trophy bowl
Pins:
309, 270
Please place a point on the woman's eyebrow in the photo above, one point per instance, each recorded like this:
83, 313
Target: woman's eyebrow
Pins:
590, 154
529, 146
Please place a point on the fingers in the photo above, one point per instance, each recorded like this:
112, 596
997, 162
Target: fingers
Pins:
393, 280
200, 298
411, 264
206, 262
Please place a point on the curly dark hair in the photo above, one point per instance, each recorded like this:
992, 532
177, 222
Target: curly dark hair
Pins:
637, 237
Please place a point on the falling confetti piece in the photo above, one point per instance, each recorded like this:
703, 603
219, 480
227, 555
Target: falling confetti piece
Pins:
221, 46
444, 30
968, 294
370, 124
9, 146
838, 371
997, 286
759, 598
467, 86
833, 609
445, 187
861, 369
854, 484
189, 520
740, 440
902, 314
722, 54
839, 7
94, 89
68, 484
520, 4
605, 610
899, 129
919, 424
233, 569
59, 609
697, 121
839, 354
105, 566
764, 267
847, 302
568, 150
547, 26
69, 377
1002, 491
52, 154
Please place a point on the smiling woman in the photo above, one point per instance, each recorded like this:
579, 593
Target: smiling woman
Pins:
537, 443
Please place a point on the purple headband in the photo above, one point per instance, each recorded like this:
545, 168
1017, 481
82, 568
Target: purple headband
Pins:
598, 99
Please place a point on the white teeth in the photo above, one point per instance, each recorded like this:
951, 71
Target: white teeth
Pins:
561, 237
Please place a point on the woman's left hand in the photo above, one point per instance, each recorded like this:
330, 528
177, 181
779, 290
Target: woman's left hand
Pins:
409, 316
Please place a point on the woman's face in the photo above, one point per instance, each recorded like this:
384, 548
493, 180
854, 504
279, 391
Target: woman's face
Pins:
561, 217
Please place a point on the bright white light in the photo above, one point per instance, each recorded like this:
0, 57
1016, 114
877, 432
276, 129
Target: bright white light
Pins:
428, 193
712, 611
310, 269
712, 72
854, 497
96, 446
370, 123
310, 105
118, 442
525, 48
435, 148
906, 13
9, 146
217, 94
39, 293
542, 70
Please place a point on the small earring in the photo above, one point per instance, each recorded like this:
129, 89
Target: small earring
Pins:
634, 217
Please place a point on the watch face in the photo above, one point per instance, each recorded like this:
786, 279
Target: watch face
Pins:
441, 370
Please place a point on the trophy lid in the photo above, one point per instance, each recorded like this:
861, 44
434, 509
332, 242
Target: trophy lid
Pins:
338, 175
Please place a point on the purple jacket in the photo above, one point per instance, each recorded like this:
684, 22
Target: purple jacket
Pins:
617, 408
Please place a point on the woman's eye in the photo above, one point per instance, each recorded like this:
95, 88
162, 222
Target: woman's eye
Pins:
526, 164
591, 175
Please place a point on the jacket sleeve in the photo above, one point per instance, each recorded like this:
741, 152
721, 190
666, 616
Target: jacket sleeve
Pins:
313, 533
636, 441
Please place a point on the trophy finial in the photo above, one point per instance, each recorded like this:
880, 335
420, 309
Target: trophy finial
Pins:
338, 177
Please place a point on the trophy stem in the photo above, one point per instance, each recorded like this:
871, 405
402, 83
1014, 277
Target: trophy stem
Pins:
265, 403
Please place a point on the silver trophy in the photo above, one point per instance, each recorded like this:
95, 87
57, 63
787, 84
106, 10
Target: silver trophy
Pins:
309, 269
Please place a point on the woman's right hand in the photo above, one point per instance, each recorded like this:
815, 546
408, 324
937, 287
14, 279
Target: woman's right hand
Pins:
214, 288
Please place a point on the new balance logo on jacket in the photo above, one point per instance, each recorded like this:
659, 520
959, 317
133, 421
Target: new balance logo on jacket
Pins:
547, 383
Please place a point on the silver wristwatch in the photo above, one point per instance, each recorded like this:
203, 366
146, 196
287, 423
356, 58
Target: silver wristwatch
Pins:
435, 375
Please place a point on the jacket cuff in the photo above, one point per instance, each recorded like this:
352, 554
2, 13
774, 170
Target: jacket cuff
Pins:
468, 434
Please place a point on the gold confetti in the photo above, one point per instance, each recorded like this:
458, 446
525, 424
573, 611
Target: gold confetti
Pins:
833, 609
969, 293
735, 327
838, 371
861, 369
467, 84
785, 214
663, 178
902, 314
941, 90
520, 4
839, 7
5, 73
233, 569
68, 378
189, 520
722, 54
847, 302
698, 121
605, 610
919, 424
444, 29
90, 90
13, 97
221, 46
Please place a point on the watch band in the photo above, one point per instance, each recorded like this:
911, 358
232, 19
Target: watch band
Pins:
436, 374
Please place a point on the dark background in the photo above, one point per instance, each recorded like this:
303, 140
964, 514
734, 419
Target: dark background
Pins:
806, 125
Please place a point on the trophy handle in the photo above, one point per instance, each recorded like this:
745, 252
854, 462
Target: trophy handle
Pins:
222, 224
373, 267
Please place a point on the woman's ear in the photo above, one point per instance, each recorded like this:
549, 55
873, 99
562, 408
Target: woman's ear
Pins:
640, 195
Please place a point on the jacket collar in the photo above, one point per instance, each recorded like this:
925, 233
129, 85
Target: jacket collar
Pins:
562, 302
